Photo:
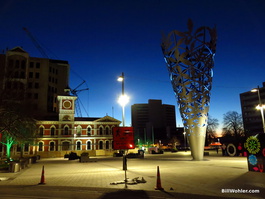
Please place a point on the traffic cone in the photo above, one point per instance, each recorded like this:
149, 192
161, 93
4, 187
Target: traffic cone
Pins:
158, 181
42, 179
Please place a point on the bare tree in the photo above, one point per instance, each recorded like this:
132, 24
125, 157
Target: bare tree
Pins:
233, 124
212, 125
175, 142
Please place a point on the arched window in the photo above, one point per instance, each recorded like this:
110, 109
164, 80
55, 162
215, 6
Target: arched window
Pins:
89, 131
78, 145
107, 130
26, 147
66, 130
100, 144
40, 146
107, 144
100, 131
41, 131
52, 131
18, 148
88, 146
52, 146
79, 130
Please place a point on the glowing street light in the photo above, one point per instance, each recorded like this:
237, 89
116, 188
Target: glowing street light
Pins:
260, 107
123, 99
184, 133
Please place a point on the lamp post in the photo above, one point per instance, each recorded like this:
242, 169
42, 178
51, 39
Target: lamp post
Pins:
123, 99
260, 107
184, 133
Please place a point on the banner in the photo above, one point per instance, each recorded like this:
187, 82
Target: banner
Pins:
123, 138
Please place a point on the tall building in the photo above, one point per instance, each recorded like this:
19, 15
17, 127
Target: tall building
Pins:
252, 119
153, 122
37, 81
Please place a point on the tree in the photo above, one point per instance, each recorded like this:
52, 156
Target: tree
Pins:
233, 124
16, 126
175, 142
212, 125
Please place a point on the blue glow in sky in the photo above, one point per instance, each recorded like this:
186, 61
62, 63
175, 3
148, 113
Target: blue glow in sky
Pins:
102, 39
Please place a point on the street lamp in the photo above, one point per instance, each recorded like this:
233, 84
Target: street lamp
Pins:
184, 133
260, 107
123, 99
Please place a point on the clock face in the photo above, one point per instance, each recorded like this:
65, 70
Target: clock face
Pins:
67, 104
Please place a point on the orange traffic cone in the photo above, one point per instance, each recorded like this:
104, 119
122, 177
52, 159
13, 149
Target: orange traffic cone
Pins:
42, 179
158, 181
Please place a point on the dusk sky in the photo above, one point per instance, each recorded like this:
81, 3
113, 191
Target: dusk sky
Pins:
103, 38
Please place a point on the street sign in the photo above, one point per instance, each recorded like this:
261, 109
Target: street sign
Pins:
123, 138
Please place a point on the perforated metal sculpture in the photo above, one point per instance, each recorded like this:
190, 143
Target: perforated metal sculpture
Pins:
189, 58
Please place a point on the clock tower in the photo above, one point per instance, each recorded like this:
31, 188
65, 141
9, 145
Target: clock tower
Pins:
66, 104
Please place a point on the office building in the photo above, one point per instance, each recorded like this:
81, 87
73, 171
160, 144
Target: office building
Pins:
153, 122
37, 81
252, 119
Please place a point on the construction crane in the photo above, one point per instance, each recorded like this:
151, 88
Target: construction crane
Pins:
75, 92
36, 43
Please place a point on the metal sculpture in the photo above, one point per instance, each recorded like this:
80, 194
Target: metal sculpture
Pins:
189, 57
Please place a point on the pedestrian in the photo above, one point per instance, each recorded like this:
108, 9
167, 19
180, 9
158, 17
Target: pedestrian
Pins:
217, 149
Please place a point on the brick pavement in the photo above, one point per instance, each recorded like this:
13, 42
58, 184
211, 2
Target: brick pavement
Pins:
179, 175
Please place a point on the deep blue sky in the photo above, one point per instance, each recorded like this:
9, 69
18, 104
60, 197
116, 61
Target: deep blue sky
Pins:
102, 39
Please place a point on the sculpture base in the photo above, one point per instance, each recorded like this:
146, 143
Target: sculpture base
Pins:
197, 146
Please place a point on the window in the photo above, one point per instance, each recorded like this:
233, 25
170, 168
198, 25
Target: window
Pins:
52, 146
79, 131
41, 131
40, 146
17, 64
78, 145
23, 64
30, 74
107, 144
66, 130
88, 131
36, 85
88, 145
100, 144
37, 75
107, 130
18, 148
26, 147
100, 131
22, 75
52, 131
31, 64
37, 64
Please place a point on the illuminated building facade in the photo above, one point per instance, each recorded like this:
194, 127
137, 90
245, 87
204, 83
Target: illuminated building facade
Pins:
61, 134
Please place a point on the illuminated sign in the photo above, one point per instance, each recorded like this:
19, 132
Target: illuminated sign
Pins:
123, 138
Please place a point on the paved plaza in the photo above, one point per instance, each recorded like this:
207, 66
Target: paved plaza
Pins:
180, 177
